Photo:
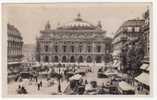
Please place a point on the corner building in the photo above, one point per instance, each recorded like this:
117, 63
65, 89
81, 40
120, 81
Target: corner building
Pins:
14, 52
75, 42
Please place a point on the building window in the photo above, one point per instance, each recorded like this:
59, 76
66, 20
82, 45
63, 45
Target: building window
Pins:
46, 59
64, 59
89, 59
72, 59
46, 48
98, 59
56, 59
98, 48
129, 29
137, 29
64, 48
80, 48
89, 48
56, 48
72, 48
80, 59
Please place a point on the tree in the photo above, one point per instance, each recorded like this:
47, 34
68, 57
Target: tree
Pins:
135, 55
123, 59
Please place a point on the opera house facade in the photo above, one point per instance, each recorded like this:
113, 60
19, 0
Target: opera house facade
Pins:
75, 42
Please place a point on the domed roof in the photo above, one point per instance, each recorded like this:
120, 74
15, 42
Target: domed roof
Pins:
77, 23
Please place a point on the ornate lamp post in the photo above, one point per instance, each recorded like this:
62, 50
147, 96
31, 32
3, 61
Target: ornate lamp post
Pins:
59, 83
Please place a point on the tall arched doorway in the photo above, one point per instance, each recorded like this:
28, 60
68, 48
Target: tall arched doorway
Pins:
98, 59
56, 59
46, 59
72, 59
80, 60
89, 59
64, 59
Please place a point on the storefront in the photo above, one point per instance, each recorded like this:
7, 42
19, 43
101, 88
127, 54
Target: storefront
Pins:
142, 83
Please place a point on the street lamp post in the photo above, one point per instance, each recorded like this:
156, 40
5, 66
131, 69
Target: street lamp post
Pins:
59, 83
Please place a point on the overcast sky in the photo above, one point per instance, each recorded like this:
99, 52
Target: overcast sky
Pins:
31, 18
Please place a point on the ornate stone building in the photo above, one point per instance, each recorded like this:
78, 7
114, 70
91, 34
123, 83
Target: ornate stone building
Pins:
75, 42
14, 49
129, 31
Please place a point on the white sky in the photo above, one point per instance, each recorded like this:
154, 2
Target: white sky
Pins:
31, 18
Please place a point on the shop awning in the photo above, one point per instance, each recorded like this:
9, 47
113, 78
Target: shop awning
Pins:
144, 66
143, 78
75, 77
125, 86
11, 63
111, 72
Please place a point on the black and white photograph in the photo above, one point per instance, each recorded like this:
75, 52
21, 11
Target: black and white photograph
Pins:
76, 49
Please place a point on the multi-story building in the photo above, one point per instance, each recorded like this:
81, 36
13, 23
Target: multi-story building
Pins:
129, 31
146, 33
14, 49
29, 54
76, 41
142, 81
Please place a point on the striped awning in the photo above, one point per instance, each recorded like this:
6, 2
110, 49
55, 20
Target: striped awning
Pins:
143, 78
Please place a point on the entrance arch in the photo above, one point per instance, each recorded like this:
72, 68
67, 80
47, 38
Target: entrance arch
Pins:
64, 59
98, 59
80, 60
72, 59
56, 59
89, 59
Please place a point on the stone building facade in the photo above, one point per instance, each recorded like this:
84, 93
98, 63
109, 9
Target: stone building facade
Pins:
130, 31
28, 52
14, 49
146, 33
75, 42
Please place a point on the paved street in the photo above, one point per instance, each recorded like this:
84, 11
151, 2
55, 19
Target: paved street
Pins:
32, 88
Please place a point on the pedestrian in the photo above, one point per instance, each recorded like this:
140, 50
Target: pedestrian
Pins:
38, 85
23, 90
19, 89
36, 78
86, 82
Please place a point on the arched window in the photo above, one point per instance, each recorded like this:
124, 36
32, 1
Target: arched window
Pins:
64, 59
89, 59
56, 59
72, 59
98, 59
80, 59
